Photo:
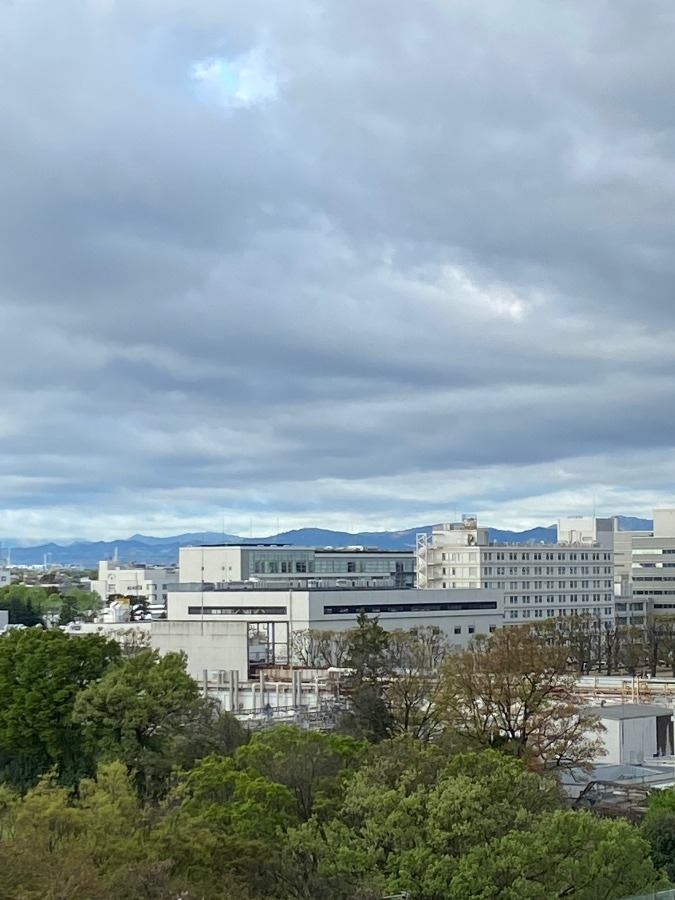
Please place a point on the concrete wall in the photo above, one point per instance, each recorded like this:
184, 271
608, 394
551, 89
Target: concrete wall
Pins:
311, 609
629, 740
638, 739
214, 564
664, 523
4, 618
458, 625
216, 646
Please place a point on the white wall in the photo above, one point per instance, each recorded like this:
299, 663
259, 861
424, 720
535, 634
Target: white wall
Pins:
639, 738
216, 646
626, 739
214, 564
664, 523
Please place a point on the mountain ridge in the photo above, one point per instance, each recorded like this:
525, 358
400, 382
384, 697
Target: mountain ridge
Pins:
148, 550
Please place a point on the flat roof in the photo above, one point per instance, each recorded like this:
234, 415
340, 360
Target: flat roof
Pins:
262, 546
630, 711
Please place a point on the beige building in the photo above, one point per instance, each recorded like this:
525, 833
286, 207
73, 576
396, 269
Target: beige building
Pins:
539, 581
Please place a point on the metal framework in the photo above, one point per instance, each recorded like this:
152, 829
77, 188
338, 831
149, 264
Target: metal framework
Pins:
422, 554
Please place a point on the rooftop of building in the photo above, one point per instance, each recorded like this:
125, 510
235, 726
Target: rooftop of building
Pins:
267, 546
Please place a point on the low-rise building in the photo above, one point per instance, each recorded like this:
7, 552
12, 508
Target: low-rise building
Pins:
136, 582
635, 733
237, 626
300, 566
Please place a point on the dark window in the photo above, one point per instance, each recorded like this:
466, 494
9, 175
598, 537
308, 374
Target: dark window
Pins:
407, 607
237, 610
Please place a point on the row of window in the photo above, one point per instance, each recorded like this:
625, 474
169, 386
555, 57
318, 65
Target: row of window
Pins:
560, 598
550, 585
550, 613
547, 555
468, 606
545, 570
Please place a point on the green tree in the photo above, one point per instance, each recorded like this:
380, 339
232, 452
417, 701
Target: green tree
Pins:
42, 673
369, 660
569, 854
312, 765
659, 830
223, 825
26, 605
77, 603
139, 712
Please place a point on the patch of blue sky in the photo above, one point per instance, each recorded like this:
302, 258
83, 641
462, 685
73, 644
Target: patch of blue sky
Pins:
230, 83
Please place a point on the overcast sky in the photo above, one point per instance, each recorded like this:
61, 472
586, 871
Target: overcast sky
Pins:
333, 262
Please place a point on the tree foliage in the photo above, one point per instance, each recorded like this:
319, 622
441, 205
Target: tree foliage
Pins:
139, 712
513, 691
42, 674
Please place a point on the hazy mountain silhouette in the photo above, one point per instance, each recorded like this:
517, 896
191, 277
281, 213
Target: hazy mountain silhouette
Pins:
146, 549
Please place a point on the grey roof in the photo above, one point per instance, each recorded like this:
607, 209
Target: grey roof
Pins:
611, 772
630, 711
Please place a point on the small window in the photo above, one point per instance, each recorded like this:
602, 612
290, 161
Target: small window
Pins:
458, 629
471, 629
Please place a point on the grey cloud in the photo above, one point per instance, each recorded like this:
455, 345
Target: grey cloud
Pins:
445, 247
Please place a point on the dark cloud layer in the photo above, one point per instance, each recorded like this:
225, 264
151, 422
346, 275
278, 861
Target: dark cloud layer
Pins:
334, 262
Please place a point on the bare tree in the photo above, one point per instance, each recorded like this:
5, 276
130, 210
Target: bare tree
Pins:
413, 689
513, 690
320, 649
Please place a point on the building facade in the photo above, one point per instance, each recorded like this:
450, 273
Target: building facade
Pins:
297, 566
149, 582
236, 628
649, 584
538, 581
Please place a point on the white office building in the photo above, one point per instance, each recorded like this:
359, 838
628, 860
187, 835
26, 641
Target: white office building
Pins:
539, 581
648, 568
134, 582
297, 566
236, 627
5, 577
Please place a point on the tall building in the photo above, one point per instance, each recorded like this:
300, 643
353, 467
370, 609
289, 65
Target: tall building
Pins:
539, 581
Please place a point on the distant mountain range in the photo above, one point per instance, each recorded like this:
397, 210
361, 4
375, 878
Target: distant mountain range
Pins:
145, 549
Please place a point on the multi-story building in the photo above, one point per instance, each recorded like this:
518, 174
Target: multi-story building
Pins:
539, 581
650, 581
5, 577
297, 566
135, 582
